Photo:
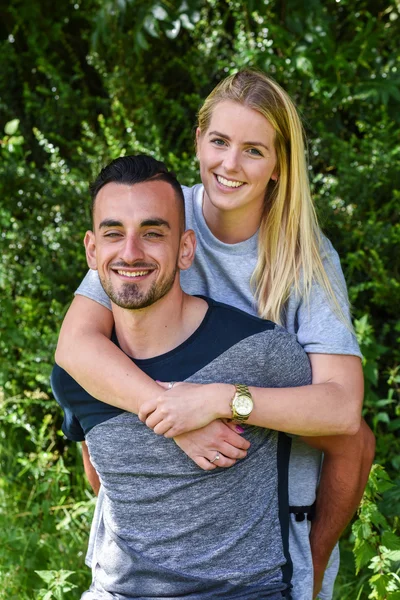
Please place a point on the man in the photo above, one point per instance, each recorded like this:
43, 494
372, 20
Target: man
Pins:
167, 528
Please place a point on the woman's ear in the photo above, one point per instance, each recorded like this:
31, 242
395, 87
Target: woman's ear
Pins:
198, 139
90, 246
275, 176
187, 249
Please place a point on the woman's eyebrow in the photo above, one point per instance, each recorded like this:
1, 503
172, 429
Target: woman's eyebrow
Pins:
226, 137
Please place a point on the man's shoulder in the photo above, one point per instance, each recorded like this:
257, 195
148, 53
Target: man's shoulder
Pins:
230, 314
242, 347
232, 325
64, 387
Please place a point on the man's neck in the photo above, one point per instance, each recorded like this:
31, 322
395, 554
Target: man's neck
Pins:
161, 327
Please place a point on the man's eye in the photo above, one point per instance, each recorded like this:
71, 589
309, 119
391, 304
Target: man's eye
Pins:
153, 234
112, 234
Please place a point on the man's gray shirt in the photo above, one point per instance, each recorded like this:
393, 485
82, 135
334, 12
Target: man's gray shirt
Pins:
169, 529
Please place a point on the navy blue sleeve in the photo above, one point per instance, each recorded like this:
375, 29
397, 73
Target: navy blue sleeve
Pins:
71, 426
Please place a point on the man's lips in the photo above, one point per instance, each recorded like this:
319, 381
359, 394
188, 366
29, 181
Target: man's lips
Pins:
137, 272
132, 274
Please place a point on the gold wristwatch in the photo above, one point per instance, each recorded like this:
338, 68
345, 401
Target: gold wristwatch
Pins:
242, 403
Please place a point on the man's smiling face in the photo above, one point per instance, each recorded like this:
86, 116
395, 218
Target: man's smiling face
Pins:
136, 241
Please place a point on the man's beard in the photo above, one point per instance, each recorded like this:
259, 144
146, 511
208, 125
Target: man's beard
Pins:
130, 296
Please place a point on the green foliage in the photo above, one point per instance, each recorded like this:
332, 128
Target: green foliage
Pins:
85, 82
57, 584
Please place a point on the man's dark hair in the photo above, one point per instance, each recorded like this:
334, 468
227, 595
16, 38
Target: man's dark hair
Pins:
128, 170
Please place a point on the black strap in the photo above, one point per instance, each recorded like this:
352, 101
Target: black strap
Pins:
300, 512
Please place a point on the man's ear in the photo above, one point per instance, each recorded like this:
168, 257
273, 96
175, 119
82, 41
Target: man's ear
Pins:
187, 248
90, 246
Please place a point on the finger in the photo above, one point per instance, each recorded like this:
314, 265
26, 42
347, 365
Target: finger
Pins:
204, 463
233, 438
154, 419
234, 426
162, 428
146, 410
174, 431
232, 451
223, 461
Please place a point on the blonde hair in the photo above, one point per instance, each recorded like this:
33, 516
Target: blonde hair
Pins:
290, 244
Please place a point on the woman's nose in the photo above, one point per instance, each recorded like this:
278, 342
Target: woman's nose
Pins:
232, 160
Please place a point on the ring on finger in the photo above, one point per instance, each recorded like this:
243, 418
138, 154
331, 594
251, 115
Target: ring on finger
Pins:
216, 457
171, 384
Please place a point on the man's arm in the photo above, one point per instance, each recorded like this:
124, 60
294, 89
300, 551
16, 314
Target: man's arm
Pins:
90, 471
344, 475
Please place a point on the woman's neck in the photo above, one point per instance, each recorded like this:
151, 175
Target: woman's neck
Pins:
231, 226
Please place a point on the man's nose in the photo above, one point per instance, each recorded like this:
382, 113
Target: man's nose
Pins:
132, 249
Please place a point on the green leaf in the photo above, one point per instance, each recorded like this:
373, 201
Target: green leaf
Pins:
11, 127
363, 554
391, 540
47, 576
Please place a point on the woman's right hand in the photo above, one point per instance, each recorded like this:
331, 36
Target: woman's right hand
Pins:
202, 445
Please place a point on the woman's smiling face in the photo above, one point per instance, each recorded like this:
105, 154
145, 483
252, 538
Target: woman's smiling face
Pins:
237, 160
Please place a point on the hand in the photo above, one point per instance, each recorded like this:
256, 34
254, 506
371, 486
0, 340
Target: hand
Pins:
185, 407
203, 444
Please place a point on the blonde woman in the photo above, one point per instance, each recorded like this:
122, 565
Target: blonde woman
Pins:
259, 248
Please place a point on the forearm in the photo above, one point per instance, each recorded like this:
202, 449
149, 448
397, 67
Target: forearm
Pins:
344, 475
312, 410
90, 471
85, 351
104, 371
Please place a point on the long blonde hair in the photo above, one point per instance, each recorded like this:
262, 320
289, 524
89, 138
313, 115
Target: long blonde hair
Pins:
289, 247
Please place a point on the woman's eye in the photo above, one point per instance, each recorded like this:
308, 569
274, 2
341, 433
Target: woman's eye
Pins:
255, 152
218, 142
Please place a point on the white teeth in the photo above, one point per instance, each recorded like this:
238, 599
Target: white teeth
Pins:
232, 184
133, 274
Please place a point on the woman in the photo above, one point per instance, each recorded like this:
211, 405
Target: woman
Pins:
258, 245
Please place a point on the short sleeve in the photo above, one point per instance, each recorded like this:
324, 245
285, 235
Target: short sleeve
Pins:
318, 328
92, 289
70, 427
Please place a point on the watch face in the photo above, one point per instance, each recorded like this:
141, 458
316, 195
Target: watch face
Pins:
243, 405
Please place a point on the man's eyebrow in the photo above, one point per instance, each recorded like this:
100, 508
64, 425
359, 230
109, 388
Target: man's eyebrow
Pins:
110, 223
226, 137
155, 223
146, 223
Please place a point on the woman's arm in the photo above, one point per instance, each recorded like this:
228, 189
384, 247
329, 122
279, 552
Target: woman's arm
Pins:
86, 352
330, 406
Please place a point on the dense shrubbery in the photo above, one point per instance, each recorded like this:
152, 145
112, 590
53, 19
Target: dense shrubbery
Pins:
82, 84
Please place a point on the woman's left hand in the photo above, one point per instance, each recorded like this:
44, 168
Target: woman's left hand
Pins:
186, 406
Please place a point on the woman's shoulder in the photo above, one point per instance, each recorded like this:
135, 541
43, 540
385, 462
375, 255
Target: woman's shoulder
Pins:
190, 192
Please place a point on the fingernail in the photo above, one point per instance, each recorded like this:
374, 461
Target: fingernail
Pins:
239, 429
158, 381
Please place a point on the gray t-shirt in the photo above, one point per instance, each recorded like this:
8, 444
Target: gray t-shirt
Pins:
222, 272
169, 529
